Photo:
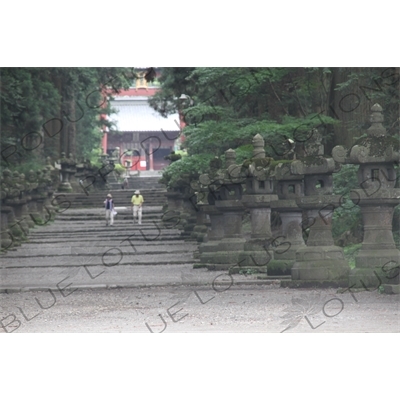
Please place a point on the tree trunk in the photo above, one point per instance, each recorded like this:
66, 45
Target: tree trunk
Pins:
71, 127
350, 105
53, 127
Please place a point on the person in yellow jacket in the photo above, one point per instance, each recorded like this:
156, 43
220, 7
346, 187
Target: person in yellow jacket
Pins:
137, 202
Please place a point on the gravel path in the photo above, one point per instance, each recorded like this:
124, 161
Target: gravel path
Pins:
238, 308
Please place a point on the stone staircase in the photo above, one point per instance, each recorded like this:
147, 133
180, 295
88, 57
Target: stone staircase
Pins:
79, 248
141, 181
122, 198
146, 182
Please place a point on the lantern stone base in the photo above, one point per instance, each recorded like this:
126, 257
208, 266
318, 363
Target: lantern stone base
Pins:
375, 267
383, 258
320, 263
391, 289
64, 187
225, 253
284, 259
209, 247
256, 254
372, 278
280, 267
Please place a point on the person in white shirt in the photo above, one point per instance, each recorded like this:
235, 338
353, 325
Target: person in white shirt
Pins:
109, 207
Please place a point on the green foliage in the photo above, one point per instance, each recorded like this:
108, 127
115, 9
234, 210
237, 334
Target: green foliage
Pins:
243, 153
30, 97
226, 107
34, 164
345, 180
347, 217
350, 253
191, 167
172, 157
27, 96
94, 157
119, 169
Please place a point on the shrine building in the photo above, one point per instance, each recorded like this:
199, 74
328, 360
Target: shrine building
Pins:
142, 136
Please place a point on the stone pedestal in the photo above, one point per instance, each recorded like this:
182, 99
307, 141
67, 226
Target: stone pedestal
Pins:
20, 212
199, 232
320, 260
224, 253
25, 214
214, 235
38, 213
16, 227
173, 214
7, 238
65, 185
34, 214
378, 260
257, 250
188, 218
231, 245
291, 238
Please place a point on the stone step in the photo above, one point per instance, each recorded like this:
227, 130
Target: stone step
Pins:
107, 259
96, 248
100, 230
146, 182
116, 195
120, 197
101, 217
137, 182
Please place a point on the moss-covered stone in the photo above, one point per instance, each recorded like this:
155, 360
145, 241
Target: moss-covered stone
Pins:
279, 267
258, 162
378, 145
314, 160
247, 271
275, 163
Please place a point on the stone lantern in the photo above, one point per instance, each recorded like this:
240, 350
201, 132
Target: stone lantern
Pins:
50, 175
188, 208
17, 199
67, 171
320, 260
209, 193
199, 232
17, 229
378, 259
231, 245
289, 187
33, 184
259, 194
